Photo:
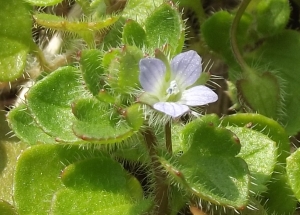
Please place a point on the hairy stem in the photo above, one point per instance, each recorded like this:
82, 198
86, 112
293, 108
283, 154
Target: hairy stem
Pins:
168, 136
233, 38
161, 187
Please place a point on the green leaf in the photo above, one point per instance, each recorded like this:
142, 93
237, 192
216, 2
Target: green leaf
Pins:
92, 70
264, 125
281, 54
43, 2
210, 169
9, 152
260, 154
99, 192
293, 172
164, 26
84, 29
6, 208
139, 10
63, 180
15, 38
277, 188
50, 99
261, 92
133, 34
271, 16
114, 37
101, 123
59, 23
280, 198
123, 67
37, 175
128, 74
216, 33
25, 128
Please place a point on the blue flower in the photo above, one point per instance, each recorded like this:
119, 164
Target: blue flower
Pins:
169, 88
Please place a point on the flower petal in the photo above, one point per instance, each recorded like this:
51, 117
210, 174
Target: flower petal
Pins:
152, 72
171, 108
199, 95
186, 68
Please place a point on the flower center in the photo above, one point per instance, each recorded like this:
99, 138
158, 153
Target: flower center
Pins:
173, 89
173, 92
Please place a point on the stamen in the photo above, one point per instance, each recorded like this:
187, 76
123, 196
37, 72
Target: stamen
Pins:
173, 89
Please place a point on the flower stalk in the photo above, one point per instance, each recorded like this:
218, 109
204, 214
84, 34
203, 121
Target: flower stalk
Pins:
233, 33
161, 188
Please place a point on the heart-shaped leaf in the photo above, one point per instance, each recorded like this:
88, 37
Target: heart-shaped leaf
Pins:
210, 169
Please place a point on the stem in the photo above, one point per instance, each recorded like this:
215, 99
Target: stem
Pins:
233, 39
168, 136
40, 56
161, 187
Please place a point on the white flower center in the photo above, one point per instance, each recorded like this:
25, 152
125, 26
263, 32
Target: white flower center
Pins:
173, 89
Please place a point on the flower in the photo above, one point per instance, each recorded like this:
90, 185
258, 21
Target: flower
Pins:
169, 88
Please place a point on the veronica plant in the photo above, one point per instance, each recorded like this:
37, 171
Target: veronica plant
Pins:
86, 142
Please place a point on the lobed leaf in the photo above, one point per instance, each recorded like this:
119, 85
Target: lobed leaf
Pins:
50, 99
264, 125
210, 168
40, 186
99, 122
25, 128
109, 190
260, 154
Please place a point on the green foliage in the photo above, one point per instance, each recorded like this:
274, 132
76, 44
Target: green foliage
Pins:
49, 101
285, 65
15, 38
43, 2
89, 140
26, 128
164, 32
66, 183
198, 169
